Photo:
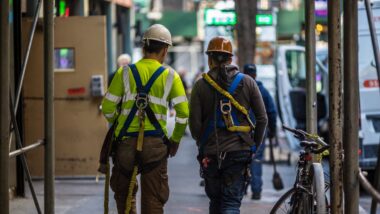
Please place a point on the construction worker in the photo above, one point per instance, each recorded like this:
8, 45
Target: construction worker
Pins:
220, 123
256, 165
145, 88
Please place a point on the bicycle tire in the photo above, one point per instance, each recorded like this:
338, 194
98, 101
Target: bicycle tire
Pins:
319, 196
283, 198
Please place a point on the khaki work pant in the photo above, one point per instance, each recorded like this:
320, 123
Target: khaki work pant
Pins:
154, 182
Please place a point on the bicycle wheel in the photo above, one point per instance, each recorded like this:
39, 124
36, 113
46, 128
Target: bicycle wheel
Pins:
286, 203
318, 190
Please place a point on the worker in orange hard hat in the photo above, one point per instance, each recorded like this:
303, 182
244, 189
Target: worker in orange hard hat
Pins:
219, 122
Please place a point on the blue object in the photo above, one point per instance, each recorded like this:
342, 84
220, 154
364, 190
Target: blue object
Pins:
220, 122
257, 170
256, 164
225, 197
142, 90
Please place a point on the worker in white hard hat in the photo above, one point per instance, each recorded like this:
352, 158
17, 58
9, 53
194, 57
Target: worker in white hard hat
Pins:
141, 141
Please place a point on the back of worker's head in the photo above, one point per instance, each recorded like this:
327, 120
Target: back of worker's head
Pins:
251, 70
156, 40
219, 52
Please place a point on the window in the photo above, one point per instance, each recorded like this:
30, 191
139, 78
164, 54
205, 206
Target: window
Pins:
296, 68
64, 59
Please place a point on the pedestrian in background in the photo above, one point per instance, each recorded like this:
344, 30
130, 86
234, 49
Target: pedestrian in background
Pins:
221, 126
122, 60
256, 165
141, 124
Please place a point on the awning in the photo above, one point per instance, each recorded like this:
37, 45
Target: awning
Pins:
289, 23
180, 23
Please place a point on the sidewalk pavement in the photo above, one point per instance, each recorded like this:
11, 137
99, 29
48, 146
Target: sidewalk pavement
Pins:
85, 196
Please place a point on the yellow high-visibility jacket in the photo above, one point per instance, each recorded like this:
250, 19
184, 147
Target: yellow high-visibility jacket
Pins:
167, 87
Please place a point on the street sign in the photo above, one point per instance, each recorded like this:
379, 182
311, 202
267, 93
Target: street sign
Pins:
264, 19
220, 17
215, 17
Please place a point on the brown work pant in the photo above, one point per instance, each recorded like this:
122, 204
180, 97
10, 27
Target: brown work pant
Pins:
154, 182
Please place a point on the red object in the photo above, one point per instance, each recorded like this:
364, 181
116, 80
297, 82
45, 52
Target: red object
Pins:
371, 83
205, 162
308, 157
67, 12
359, 152
76, 91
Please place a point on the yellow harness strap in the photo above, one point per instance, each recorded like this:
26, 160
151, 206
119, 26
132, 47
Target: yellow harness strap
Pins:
235, 103
139, 148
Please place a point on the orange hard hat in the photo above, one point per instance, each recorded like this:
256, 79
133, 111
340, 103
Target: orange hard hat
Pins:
219, 44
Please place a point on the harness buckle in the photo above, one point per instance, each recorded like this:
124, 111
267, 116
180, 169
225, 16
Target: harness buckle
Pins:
225, 106
142, 100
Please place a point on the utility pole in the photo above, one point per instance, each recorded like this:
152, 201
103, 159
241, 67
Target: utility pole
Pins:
351, 108
335, 107
49, 196
376, 53
4, 106
246, 30
311, 94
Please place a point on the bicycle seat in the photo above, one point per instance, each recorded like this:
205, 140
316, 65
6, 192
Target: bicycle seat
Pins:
308, 144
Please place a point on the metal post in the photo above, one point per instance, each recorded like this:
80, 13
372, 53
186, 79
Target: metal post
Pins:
110, 60
4, 106
26, 56
127, 42
372, 30
351, 108
23, 157
311, 98
49, 195
17, 46
335, 107
375, 45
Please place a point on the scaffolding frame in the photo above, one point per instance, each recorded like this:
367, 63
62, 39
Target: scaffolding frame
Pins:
10, 104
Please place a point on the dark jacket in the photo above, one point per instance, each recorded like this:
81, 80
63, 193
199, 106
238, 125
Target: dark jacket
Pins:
203, 105
269, 106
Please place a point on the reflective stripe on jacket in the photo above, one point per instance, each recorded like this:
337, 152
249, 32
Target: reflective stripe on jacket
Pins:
168, 87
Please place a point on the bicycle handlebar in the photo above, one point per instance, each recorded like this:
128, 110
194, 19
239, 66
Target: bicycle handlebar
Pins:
302, 135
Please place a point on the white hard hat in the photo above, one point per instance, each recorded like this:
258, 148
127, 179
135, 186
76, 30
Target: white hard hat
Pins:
157, 32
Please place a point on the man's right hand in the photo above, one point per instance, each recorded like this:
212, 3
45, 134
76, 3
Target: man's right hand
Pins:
173, 148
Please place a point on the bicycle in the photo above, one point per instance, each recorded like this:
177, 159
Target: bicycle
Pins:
308, 195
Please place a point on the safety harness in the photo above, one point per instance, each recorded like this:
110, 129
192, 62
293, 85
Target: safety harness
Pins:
226, 112
142, 108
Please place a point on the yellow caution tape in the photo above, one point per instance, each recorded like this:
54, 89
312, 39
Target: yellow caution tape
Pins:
237, 105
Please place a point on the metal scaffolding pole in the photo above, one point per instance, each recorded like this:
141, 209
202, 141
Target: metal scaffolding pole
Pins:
4, 106
49, 196
375, 45
17, 47
335, 107
351, 108
311, 98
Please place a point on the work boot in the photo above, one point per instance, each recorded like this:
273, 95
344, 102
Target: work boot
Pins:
256, 196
